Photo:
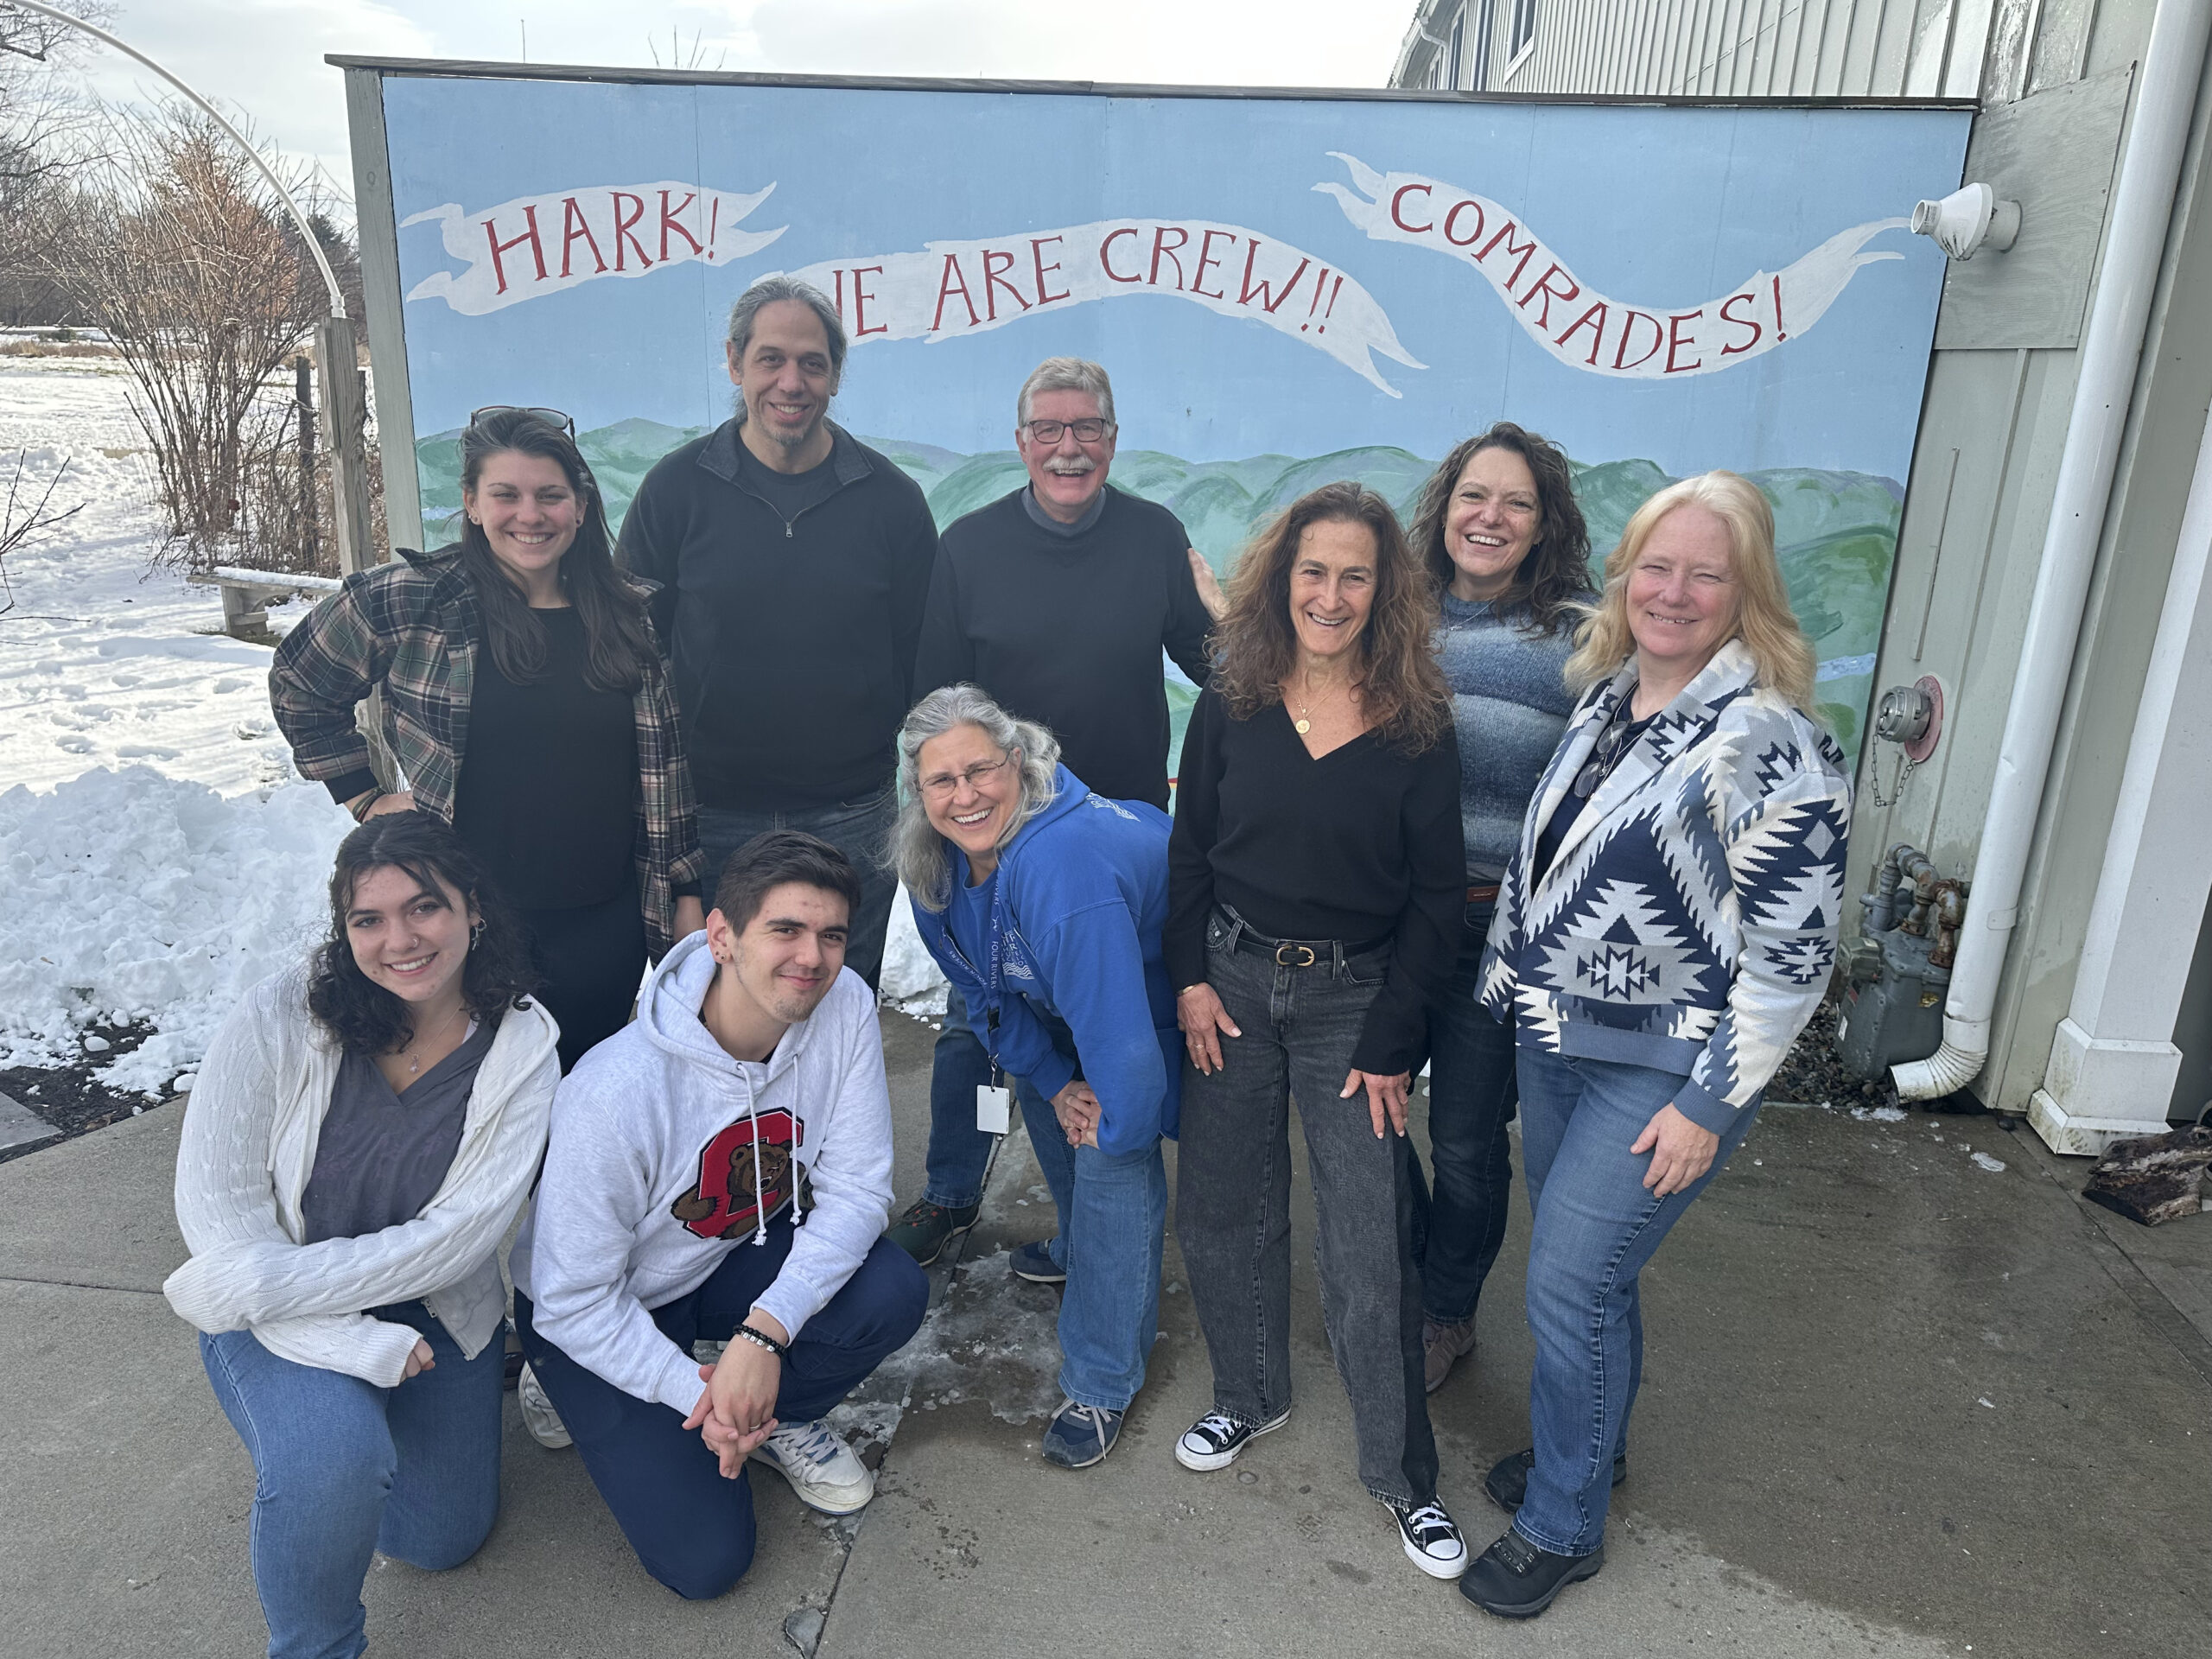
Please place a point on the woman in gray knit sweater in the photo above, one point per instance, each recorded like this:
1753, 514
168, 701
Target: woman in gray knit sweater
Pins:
1500, 533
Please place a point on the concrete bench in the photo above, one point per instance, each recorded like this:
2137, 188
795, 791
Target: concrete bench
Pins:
246, 594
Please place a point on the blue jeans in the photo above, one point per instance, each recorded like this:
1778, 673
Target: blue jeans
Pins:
692, 1529
1232, 1207
1113, 1224
342, 1469
1596, 1225
860, 828
959, 1152
1473, 1091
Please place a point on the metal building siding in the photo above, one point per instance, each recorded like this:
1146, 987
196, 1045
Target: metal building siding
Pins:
1757, 48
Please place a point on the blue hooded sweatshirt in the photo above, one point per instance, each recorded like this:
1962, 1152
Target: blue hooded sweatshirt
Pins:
1076, 914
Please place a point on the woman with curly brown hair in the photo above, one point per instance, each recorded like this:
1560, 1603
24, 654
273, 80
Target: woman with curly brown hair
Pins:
364, 1130
1314, 882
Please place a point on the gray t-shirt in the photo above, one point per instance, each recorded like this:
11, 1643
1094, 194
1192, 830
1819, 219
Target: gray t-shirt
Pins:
1045, 520
381, 1155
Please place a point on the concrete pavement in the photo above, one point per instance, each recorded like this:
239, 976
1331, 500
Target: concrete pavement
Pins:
1895, 1402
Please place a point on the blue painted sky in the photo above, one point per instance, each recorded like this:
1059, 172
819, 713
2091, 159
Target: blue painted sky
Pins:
1657, 206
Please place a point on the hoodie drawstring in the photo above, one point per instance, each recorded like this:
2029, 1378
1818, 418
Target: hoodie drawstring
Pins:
760, 1199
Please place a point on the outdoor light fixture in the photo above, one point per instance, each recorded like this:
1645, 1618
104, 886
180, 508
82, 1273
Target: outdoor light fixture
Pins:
1969, 219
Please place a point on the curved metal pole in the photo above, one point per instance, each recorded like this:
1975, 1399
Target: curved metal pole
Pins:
307, 229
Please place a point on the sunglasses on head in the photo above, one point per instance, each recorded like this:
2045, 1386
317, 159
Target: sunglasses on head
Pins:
550, 416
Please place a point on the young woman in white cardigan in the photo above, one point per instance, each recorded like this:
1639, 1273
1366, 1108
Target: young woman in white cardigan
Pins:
365, 1129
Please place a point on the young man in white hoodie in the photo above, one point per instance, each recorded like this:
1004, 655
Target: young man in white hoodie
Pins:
720, 1169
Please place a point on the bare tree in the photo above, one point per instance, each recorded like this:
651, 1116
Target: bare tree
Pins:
682, 57
177, 247
23, 520
46, 128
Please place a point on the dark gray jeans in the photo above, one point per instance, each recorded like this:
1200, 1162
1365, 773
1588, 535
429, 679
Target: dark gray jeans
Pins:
1232, 1212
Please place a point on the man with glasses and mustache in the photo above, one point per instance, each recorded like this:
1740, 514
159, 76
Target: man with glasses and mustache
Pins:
793, 563
1057, 600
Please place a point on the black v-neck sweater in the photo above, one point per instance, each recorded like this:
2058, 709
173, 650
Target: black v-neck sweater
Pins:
1065, 627
1361, 844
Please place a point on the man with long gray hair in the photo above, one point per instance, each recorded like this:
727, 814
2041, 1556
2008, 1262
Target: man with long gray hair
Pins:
793, 563
1057, 600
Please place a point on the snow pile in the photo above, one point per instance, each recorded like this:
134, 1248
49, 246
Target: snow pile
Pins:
134, 896
912, 980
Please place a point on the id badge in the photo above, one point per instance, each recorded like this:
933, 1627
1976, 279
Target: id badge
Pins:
994, 1108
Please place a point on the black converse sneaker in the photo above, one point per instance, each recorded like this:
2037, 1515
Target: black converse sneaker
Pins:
1431, 1537
1214, 1441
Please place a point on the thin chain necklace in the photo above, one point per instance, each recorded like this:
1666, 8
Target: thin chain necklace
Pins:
416, 1041
1304, 723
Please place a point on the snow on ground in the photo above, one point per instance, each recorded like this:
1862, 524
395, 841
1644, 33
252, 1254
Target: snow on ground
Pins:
103, 664
158, 851
133, 896
913, 982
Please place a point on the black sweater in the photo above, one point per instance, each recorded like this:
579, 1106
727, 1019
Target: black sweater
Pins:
791, 643
548, 794
1067, 629
1361, 843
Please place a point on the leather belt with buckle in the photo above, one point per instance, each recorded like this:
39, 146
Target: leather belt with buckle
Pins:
1303, 953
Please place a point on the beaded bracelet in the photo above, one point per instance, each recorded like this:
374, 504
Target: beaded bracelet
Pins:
761, 1338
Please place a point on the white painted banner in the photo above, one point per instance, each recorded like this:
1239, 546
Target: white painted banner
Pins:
952, 290
535, 245
1573, 321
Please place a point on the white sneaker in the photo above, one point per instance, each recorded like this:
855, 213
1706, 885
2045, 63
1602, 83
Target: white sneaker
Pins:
1431, 1537
538, 1416
821, 1468
1215, 1441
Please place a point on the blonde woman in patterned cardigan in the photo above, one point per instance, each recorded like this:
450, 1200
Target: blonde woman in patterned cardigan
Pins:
365, 1129
1664, 933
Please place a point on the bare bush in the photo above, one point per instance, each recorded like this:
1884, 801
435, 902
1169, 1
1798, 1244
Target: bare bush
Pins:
23, 521
178, 248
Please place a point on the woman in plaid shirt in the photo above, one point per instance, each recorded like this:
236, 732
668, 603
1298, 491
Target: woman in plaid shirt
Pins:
525, 702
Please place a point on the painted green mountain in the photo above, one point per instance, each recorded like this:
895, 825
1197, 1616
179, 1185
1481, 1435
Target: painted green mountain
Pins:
1837, 531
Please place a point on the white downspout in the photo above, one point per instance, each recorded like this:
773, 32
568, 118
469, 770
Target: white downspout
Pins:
2111, 347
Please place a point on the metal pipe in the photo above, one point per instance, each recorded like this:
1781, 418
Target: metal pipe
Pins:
307, 228
2111, 348
1881, 908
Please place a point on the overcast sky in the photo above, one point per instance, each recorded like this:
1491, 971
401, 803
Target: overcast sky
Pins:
265, 56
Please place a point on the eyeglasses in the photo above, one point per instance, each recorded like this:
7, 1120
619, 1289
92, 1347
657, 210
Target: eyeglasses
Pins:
945, 784
1613, 742
550, 416
1086, 431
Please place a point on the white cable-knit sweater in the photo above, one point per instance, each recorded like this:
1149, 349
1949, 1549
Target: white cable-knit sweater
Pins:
250, 1134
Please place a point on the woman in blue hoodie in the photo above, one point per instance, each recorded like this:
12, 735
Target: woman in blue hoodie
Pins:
1044, 904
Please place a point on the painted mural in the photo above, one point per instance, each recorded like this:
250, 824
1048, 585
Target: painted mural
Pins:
1316, 288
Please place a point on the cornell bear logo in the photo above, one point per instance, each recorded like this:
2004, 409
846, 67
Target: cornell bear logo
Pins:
721, 1203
